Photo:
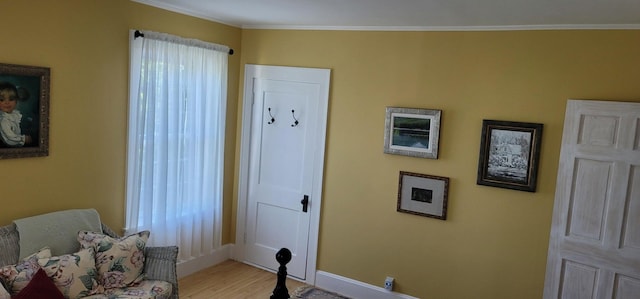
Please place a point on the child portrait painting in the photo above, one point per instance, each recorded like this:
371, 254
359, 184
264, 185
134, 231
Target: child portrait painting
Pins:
24, 111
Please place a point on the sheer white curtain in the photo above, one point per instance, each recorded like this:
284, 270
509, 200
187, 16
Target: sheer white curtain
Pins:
176, 139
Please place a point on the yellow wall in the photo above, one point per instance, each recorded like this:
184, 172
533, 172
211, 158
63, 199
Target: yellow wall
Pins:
494, 242
85, 44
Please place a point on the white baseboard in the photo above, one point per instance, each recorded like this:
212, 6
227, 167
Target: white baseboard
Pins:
324, 280
194, 265
353, 288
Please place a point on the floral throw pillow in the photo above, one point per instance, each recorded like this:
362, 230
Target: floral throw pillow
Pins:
16, 277
120, 262
74, 274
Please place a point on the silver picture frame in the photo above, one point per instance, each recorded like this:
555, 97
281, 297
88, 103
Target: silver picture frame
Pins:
412, 132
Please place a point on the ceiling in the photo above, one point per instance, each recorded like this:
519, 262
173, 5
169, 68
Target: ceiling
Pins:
412, 15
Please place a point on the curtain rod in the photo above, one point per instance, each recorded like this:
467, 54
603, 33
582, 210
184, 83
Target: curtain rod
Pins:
137, 34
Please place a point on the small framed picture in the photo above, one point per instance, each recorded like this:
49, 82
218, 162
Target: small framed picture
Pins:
24, 111
509, 155
424, 195
412, 132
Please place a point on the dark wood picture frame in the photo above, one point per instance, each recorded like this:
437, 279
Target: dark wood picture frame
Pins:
30, 85
422, 194
509, 154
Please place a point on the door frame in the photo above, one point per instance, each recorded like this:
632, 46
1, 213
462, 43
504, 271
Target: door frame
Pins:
315, 76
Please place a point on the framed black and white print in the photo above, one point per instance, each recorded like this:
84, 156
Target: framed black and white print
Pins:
24, 111
509, 154
422, 194
412, 132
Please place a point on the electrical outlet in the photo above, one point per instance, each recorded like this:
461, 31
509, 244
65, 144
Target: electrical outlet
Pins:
388, 284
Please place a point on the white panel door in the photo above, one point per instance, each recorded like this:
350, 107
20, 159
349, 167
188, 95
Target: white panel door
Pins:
286, 151
594, 249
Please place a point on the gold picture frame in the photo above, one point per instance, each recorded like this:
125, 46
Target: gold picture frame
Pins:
25, 124
422, 194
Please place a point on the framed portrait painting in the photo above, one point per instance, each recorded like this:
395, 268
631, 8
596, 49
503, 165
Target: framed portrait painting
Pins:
412, 132
509, 154
24, 111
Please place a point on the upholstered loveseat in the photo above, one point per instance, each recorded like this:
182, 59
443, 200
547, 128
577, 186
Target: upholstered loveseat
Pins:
158, 277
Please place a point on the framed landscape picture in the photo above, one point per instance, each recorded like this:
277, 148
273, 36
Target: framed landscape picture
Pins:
509, 155
422, 194
24, 111
412, 132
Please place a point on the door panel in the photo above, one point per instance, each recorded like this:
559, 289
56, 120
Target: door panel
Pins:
631, 233
285, 164
598, 130
593, 249
589, 199
578, 280
626, 287
281, 170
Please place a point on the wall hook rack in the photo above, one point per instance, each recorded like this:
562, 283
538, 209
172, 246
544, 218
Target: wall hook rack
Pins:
272, 118
293, 114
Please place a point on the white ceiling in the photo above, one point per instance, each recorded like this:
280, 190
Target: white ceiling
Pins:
412, 15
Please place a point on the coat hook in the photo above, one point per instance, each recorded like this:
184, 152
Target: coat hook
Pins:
272, 119
294, 118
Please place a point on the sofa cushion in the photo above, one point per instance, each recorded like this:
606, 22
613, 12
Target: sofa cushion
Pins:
17, 276
40, 287
147, 289
74, 274
120, 262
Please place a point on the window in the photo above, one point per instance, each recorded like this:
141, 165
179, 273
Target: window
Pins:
175, 153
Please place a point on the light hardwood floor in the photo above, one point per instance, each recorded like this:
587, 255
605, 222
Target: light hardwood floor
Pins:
231, 280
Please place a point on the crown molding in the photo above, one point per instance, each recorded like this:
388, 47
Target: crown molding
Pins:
451, 28
395, 28
183, 11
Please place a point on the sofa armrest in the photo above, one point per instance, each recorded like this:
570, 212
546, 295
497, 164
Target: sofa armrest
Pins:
9, 245
109, 232
160, 264
3, 293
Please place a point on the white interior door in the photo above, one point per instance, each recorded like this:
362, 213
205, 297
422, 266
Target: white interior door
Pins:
594, 250
285, 165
